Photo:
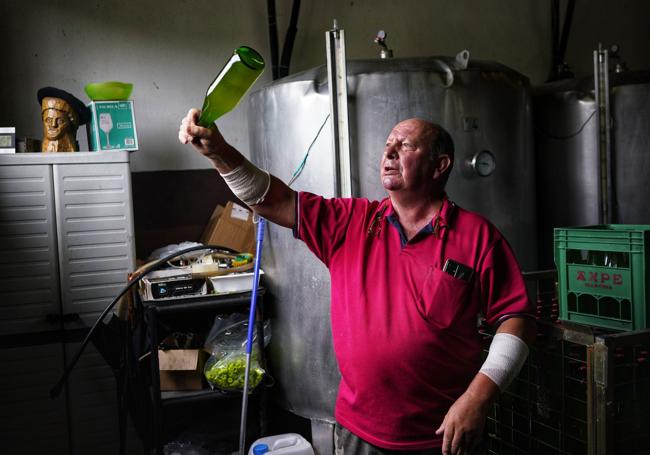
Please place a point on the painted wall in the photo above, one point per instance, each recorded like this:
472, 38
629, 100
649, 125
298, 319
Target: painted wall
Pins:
171, 50
610, 22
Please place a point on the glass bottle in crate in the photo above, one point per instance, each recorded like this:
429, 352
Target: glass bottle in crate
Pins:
596, 257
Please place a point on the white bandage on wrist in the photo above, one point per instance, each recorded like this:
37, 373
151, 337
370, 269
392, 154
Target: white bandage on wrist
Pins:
506, 357
249, 183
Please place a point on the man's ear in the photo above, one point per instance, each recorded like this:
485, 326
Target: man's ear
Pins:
442, 164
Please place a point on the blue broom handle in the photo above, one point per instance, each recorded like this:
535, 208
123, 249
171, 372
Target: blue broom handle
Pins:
256, 277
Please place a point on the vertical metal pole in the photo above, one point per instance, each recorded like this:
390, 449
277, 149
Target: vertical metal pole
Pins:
322, 435
592, 421
338, 87
601, 91
603, 426
152, 326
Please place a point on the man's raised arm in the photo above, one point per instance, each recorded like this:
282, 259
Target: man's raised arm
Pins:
268, 196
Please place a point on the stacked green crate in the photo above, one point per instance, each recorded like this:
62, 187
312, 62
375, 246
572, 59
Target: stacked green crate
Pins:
602, 273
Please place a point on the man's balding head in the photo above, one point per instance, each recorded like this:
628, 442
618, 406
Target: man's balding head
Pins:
439, 140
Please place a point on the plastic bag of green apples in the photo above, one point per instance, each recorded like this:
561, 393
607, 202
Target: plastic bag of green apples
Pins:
226, 367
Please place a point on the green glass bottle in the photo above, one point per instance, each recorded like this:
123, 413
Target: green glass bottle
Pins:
231, 84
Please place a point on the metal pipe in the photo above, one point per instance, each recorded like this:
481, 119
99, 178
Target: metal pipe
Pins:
273, 37
609, 155
555, 20
566, 29
601, 92
560, 39
449, 74
384, 52
289, 40
338, 88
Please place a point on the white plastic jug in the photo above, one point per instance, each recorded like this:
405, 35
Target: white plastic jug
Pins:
282, 444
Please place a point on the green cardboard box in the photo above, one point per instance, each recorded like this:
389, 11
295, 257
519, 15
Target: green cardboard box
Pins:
112, 126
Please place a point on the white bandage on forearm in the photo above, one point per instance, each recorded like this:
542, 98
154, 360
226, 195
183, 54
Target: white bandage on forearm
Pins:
506, 357
249, 183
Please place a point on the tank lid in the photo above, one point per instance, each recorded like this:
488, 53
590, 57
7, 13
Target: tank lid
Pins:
437, 64
586, 84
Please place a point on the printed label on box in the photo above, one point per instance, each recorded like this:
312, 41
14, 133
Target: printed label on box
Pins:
112, 126
240, 213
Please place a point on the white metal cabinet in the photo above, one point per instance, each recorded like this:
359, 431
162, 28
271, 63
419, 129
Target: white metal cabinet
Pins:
95, 235
31, 422
93, 407
66, 248
66, 237
29, 276
82, 420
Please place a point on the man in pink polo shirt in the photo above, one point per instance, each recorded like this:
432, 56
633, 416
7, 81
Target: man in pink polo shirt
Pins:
411, 275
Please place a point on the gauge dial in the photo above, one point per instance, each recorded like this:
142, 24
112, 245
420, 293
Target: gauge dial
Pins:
484, 163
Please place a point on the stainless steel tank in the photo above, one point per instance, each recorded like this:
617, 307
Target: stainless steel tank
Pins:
567, 155
485, 107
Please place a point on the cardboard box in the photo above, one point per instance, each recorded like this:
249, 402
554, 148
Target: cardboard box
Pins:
181, 369
231, 227
112, 126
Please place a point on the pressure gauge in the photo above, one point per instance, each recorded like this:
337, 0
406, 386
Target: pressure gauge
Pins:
484, 163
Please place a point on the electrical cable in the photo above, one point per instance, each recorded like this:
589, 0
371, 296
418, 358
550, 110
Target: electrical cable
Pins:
301, 166
568, 136
56, 390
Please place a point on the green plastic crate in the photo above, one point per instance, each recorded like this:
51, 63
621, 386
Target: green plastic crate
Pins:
603, 271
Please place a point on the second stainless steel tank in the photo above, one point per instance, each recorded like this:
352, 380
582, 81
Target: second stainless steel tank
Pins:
567, 154
485, 108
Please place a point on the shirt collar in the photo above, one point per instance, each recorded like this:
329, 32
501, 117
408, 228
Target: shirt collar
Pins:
439, 224
445, 213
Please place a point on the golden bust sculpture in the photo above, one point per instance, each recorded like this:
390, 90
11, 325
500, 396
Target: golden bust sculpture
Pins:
61, 114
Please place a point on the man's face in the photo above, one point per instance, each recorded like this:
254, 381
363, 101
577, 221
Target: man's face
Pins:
406, 163
55, 123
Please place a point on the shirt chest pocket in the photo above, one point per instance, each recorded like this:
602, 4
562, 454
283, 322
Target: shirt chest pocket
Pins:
443, 298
